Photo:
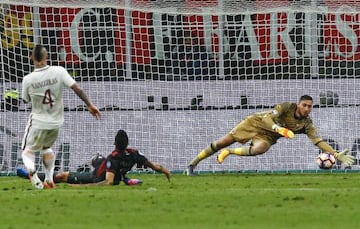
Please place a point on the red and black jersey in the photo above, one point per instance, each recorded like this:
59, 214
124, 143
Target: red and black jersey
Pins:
99, 165
117, 162
121, 162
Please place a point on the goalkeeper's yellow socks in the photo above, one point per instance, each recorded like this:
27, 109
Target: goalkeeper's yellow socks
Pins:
207, 152
241, 151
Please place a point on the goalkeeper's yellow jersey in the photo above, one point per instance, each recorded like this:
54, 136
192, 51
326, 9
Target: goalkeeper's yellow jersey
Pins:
283, 115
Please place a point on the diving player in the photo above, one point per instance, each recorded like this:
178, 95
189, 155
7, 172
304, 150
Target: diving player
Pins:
263, 129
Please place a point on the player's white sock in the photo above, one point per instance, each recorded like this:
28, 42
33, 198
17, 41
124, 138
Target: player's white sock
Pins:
28, 158
49, 164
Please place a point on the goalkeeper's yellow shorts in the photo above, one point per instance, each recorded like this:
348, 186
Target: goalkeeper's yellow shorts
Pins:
251, 129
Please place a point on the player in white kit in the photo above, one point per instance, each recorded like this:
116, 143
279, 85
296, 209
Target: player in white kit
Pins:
43, 89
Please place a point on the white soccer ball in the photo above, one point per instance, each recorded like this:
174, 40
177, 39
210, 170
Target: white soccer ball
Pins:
325, 160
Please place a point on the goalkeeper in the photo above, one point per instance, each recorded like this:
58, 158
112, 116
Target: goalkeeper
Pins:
263, 129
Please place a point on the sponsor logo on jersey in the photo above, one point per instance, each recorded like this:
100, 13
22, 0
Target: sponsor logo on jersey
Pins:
140, 153
108, 164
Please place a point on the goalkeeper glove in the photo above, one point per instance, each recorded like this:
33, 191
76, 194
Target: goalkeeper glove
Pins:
346, 160
283, 131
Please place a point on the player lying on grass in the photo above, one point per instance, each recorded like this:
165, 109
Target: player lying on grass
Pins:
81, 176
263, 129
112, 169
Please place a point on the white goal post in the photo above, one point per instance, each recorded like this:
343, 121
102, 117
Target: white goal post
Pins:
179, 74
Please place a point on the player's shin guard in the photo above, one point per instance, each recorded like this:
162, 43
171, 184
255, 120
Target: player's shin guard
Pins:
28, 158
49, 165
207, 152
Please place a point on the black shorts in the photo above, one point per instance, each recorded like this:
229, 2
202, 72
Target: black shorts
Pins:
82, 178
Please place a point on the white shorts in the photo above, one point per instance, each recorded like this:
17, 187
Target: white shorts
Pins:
37, 140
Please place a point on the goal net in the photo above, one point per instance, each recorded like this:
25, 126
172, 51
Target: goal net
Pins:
179, 74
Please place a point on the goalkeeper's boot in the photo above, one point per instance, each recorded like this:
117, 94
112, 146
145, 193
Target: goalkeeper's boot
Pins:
35, 181
222, 155
190, 171
49, 184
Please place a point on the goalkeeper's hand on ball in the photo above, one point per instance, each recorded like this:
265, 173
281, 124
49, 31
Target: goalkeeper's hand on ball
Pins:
346, 160
283, 131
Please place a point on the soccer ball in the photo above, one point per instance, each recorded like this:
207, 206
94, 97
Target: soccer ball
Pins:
325, 160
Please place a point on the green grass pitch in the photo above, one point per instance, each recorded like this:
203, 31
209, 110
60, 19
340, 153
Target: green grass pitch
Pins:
269, 201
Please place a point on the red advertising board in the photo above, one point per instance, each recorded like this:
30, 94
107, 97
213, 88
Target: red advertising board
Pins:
271, 37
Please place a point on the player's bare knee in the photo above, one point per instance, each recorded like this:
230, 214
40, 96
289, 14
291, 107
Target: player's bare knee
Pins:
254, 153
257, 150
223, 142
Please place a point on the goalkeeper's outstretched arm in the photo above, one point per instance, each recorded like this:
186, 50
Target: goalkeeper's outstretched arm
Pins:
346, 160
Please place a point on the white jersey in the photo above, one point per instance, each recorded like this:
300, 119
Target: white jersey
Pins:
43, 88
